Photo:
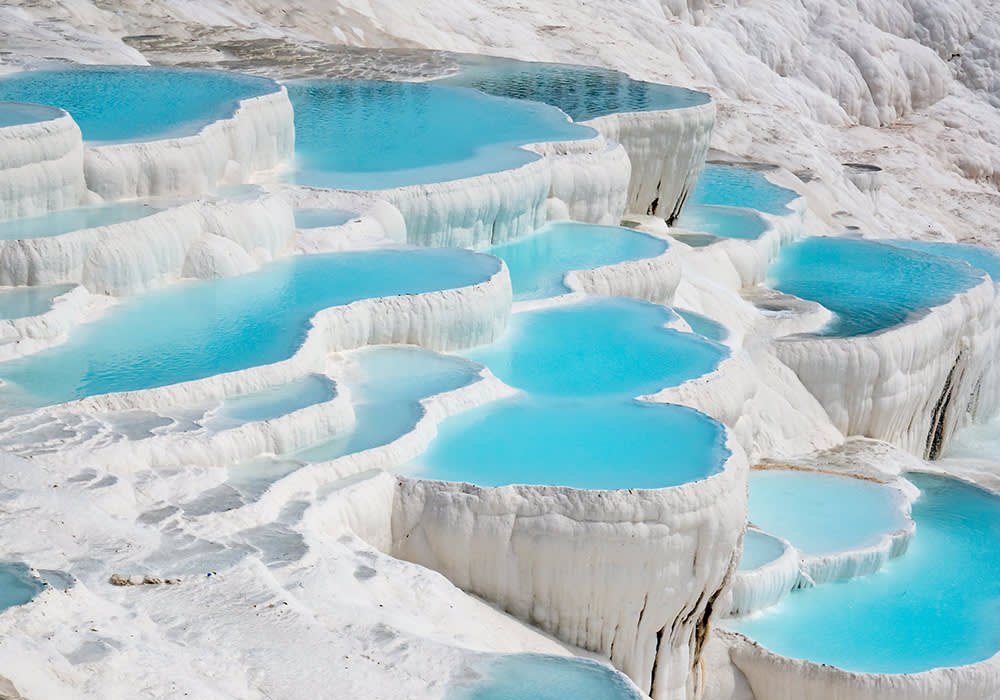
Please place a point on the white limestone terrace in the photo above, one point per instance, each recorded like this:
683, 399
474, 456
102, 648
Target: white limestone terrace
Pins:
768, 571
41, 167
146, 133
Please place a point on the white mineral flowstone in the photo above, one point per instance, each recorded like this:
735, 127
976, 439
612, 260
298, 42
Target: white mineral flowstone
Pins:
667, 149
443, 320
133, 256
22, 336
767, 585
375, 224
653, 279
648, 565
259, 137
775, 677
41, 166
912, 385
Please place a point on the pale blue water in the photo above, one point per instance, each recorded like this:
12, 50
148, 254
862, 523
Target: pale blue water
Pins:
136, 103
586, 444
759, 548
985, 259
702, 325
734, 186
725, 222
56, 223
17, 585
598, 347
278, 400
22, 302
318, 218
870, 286
938, 605
370, 135
199, 329
17, 113
823, 513
386, 400
582, 92
539, 262
538, 677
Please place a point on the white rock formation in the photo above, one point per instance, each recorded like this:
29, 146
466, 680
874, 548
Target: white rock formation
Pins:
767, 585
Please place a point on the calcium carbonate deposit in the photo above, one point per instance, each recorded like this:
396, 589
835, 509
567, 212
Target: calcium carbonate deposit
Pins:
488, 351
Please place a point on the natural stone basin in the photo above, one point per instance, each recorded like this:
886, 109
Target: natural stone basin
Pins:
56, 223
539, 677
740, 186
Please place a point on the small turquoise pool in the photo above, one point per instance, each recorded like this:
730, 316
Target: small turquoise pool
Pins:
759, 548
985, 259
371, 135
736, 186
22, 302
540, 677
598, 347
938, 605
278, 400
199, 329
56, 223
17, 585
870, 286
318, 218
721, 221
136, 103
586, 444
703, 325
823, 513
18, 113
582, 92
538, 263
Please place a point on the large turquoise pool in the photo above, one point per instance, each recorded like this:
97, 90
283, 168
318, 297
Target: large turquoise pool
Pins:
870, 286
582, 92
985, 259
736, 186
199, 329
538, 263
136, 103
371, 135
938, 605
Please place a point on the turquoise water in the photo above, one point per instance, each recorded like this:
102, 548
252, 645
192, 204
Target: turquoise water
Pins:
870, 286
370, 135
56, 223
823, 513
759, 548
703, 325
538, 677
938, 605
386, 398
318, 218
17, 113
199, 329
22, 302
985, 259
278, 400
733, 186
136, 103
582, 92
598, 347
584, 444
17, 585
539, 262
725, 222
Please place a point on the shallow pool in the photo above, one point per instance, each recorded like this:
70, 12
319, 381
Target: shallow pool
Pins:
703, 325
17, 585
759, 548
371, 135
985, 259
199, 329
724, 222
938, 605
598, 347
737, 186
540, 677
56, 223
22, 302
538, 263
870, 286
318, 218
823, 513
136, 103
18, 113
277, 400
582, 92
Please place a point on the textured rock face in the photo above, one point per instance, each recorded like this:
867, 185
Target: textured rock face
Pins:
631, 574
